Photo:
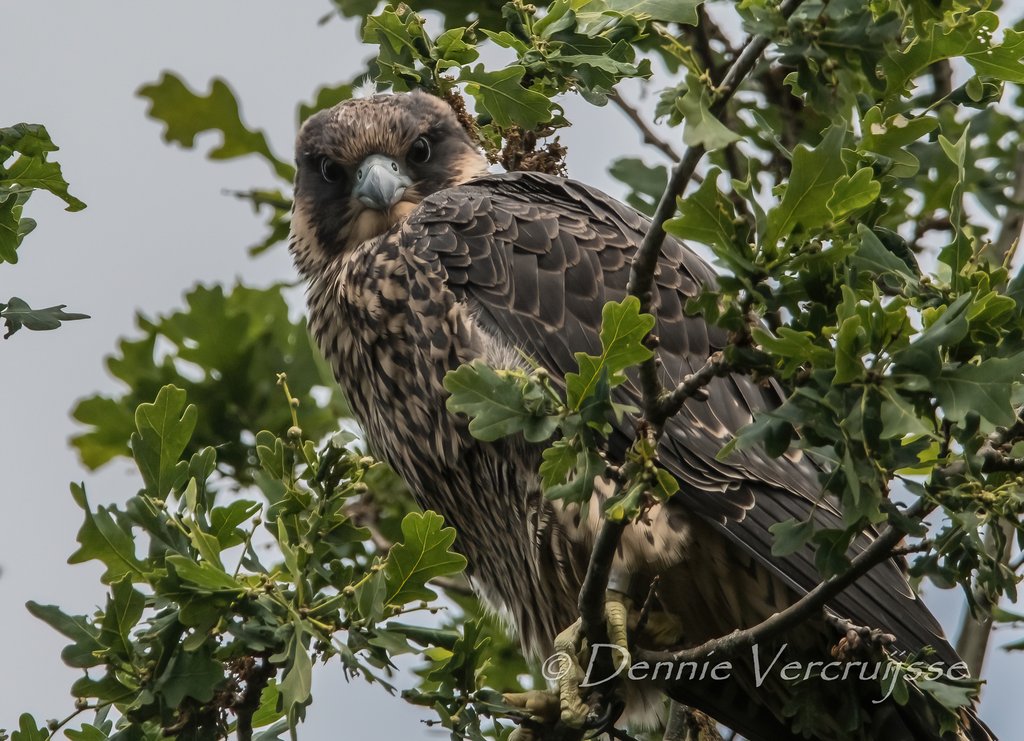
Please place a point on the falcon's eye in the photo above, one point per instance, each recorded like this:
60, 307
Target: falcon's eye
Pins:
330, 170
419, 152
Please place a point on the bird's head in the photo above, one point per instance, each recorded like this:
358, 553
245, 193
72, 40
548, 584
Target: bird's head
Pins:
365, 164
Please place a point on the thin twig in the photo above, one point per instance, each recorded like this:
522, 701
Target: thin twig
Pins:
815, 600
693, 386
646, 132
645, 608
702, 43
922, 545
592, 595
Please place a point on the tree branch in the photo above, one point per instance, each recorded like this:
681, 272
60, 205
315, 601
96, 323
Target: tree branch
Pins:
646, 132
258, 676
691, 387
880, 549
592, 594
641, 272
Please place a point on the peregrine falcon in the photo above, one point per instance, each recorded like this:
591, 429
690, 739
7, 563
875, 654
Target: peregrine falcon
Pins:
418, 260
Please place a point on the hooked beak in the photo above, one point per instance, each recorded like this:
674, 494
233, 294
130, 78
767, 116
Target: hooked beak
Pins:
380, 182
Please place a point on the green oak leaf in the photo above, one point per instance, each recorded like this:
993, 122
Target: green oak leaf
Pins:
88, 732
187, 114
558, 18
892, 138
805, 202
24, 138
268, 711
124, 609
922, 355
29, 730
402, 44
502, 95
423, 554
1003, 61
646, 183
452, 50
851, 340
163, 430
17, 314
790, 536
557, 462
899, 418
985, 388
297, 684
708, 217
497, 402
577, 472
193, 674
13, 228
852, 193
30, 171
102, 538
958, 253
700, 127
84, 651
873, 256
671, 11
35, 173
951, 694
623, 329
971, 38
224, 521
205, 576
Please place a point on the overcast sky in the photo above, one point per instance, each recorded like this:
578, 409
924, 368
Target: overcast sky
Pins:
157, 222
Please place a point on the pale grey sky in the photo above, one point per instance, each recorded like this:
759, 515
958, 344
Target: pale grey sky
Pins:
157, 222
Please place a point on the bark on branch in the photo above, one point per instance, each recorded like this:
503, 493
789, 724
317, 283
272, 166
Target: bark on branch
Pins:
646, 132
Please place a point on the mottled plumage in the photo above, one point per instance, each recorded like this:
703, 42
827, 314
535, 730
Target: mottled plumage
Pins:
465, 265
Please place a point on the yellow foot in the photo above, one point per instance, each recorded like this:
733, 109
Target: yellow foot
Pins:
566, 705
571, 650
543, 709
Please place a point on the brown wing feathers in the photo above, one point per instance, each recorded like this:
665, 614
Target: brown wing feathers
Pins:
538, 257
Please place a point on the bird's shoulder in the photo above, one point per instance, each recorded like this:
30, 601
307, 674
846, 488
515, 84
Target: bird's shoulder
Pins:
548, 248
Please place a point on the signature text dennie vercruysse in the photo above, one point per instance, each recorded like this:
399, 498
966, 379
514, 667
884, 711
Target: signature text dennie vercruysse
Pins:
885, 672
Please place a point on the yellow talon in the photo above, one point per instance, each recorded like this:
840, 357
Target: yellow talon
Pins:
564, 667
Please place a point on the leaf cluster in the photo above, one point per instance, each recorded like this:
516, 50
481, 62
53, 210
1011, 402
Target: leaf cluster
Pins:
217, 611
25, 167
225, 348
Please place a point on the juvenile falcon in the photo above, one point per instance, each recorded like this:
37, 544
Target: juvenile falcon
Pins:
417, 261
